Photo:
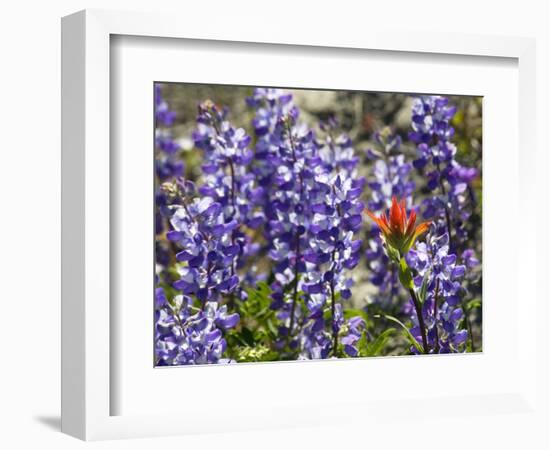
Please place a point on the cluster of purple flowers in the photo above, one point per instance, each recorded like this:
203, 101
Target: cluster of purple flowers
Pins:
316, 342
332, 250
198, 228
390, 178
273, 109
312, 208
442, 276
336, 150
168, 165
185, 335
451, 203
449, 208
229, 180
206, 225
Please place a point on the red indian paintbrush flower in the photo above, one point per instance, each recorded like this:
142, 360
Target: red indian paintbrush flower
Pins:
399, 231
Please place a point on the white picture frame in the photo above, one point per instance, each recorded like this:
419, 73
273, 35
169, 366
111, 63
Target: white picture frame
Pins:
87, 328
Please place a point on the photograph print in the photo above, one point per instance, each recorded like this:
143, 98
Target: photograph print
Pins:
301, 224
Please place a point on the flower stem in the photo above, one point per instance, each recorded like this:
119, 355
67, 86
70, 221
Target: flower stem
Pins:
295, 294
332, 292
333, 312
436, 298
234, 213
233, 188
468, 325
297, 255
421, 323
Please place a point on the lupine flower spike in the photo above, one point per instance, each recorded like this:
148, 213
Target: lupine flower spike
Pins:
399, 231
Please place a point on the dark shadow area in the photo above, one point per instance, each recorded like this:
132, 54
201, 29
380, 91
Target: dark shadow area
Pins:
51, 422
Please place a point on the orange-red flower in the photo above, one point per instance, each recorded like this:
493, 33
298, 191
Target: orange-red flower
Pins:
399, 231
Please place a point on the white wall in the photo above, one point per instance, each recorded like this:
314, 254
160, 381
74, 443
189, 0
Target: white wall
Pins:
30, 187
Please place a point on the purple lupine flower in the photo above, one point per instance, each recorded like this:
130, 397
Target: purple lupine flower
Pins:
390, 178
185, 335
336, 150
167, 163
439, 276
332, 250
315, 341
163, 114
355, 327
168, 166
293, 192
313, 209
272, 108
286, 163
229, 180
450, 204
208, 253
451, 200
227, 157
469, 258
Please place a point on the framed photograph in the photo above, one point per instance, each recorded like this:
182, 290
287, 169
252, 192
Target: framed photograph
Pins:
248, 218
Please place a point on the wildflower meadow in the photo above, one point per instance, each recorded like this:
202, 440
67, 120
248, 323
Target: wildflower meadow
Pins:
301, 224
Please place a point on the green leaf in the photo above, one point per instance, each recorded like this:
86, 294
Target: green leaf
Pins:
234, 338
472, 304
349, 313
258, 320
258, 301
405, 275
375, 347
247, 336
424, 288
393, 253
272, 328
406, 331
362, 344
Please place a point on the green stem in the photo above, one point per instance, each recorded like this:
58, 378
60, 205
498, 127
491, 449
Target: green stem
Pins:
333, 312
231, 302
436, 298
421, 323
296, 273
295, 294
406, 279
468, 325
